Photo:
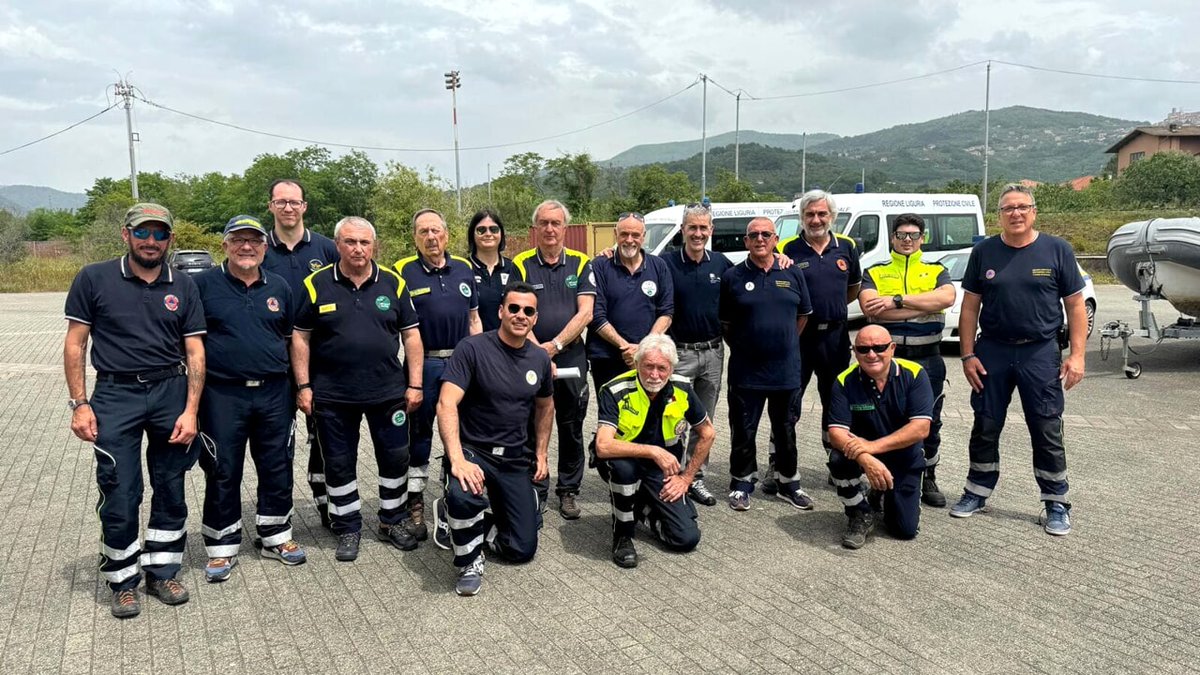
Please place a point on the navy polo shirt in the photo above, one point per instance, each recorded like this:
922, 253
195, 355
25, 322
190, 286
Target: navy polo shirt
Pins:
631, 303
499, 385
697, 294
135, 326
858, 406
651, 434
761, 307
312, 252
490, 286
828, 274
355, 335
248, 326
557, 286
1021, 287
443, 297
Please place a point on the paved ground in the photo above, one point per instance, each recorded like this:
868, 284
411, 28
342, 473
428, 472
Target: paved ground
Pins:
768, 590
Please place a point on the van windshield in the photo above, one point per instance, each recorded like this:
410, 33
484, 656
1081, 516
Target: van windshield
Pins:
788, 225
655, 233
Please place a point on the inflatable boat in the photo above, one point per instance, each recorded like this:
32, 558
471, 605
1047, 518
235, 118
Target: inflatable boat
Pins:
1160, 258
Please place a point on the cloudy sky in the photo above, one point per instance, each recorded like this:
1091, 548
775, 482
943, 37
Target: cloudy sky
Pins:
370, 73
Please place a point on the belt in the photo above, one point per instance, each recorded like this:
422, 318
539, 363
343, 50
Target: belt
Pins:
700, 346
1016, 341
440, 353
917, 350
508, 452
245, 383
916, 340
828, 325
144, 377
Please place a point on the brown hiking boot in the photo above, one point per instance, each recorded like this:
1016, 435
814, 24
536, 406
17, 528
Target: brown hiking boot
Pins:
170, 591
415, 523
568, 508
125, 604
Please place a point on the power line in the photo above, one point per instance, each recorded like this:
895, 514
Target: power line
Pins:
872, 85
1099, 75
333, 144
63, 130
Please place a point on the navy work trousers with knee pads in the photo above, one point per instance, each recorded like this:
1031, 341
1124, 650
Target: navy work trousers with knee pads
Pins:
124, 412
337, 436
930, 358
901, 504
232, 414
505, 518
634, 486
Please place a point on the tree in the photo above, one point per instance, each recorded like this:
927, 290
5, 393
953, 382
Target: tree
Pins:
730, 189
12, 237
650, 187
44, 224
1165, 179
575, 175
399, 194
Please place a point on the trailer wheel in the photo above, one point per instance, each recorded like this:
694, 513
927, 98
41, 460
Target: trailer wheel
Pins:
1133, 371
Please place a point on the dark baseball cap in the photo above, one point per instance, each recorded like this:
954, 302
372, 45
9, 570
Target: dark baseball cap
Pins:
244, 223
146, 212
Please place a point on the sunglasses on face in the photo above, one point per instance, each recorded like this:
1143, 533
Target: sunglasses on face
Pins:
146, 233
759, 235
514, 308
487, 229
867, 349
631, 214
912, 236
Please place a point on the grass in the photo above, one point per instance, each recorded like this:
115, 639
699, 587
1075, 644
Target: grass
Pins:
38, 275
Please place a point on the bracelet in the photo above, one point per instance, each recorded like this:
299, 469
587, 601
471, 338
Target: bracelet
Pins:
968, 357
417, 387
302, 387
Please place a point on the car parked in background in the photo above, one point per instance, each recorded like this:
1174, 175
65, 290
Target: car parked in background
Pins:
956, 264
192, 262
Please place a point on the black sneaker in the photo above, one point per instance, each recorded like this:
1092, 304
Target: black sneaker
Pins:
699, 493
623, 553
930, 494
347, 548
125, 604
861, 524
170, 591
769, 486
441, 525
398, 536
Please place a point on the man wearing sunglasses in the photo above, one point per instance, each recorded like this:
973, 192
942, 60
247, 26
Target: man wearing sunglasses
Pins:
444, 294
763, 311
1015, 287
909, 297
146, 327
247, 398
879, 414
492, 385
635, 297
294, 252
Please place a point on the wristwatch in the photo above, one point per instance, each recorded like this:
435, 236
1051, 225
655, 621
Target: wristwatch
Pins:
74, 403
899, 300
558, 346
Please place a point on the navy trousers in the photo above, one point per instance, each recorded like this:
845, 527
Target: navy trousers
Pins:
901, 504
504, 518
634, 485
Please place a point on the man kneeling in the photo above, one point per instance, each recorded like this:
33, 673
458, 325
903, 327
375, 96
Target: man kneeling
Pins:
880, 413
489, 390
643, 416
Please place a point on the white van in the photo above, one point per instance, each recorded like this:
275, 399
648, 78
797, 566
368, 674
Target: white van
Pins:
952, 223
663, 232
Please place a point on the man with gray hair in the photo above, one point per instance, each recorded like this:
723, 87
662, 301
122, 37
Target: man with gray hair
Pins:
643, 416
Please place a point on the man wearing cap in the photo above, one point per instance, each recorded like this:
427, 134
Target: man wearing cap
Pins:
247, 397
146, 327
442, 288
294, 252
345, 354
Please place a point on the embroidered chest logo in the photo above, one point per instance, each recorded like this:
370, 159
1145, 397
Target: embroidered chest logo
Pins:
572, 281
464, 289
273, 304
383, 302
315, 264
990, 274
841, 264
171, 302
531, 377
649, 288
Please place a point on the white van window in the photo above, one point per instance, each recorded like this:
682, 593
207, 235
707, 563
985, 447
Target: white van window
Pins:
946, 231
655, 232
788, 225
866, 231
729, 234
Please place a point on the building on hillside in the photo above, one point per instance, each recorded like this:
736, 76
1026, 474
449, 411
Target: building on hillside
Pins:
1081, 183
1180, 132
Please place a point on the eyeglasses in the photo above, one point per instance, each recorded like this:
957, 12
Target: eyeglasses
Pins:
759, 235
242, 241
911, 236
513, 308
146, 233
867, 349
631, 214
284, 203
487, 229
1020, 208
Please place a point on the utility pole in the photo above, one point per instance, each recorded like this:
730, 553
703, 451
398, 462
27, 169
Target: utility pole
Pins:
804, 162
737, 133
704, 140
125, 91
453, 83
489, 170
987, 130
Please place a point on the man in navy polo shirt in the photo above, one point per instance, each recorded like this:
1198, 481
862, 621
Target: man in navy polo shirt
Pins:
348, 332
492, 385
294, 252
696, 326
829, 262
880, 412
566, 289
442, 288
763, 311
1015, 287
635, 297
247, 397
144, 324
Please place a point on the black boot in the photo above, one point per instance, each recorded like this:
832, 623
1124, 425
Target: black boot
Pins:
623, 552
930, 494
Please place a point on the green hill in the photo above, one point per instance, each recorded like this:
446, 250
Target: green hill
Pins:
654, 153
21, 199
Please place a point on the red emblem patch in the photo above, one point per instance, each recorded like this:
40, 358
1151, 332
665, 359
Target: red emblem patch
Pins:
272, 304
841, 264
171, 302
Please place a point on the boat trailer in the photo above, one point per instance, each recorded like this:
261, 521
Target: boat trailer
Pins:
1184, 328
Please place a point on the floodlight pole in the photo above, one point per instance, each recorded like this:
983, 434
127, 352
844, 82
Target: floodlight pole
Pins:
453, 83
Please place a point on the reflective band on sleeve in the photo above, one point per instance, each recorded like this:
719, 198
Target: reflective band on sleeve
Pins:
341, 490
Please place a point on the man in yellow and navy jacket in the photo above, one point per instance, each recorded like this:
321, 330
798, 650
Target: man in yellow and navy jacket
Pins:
644, 415
909, 296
